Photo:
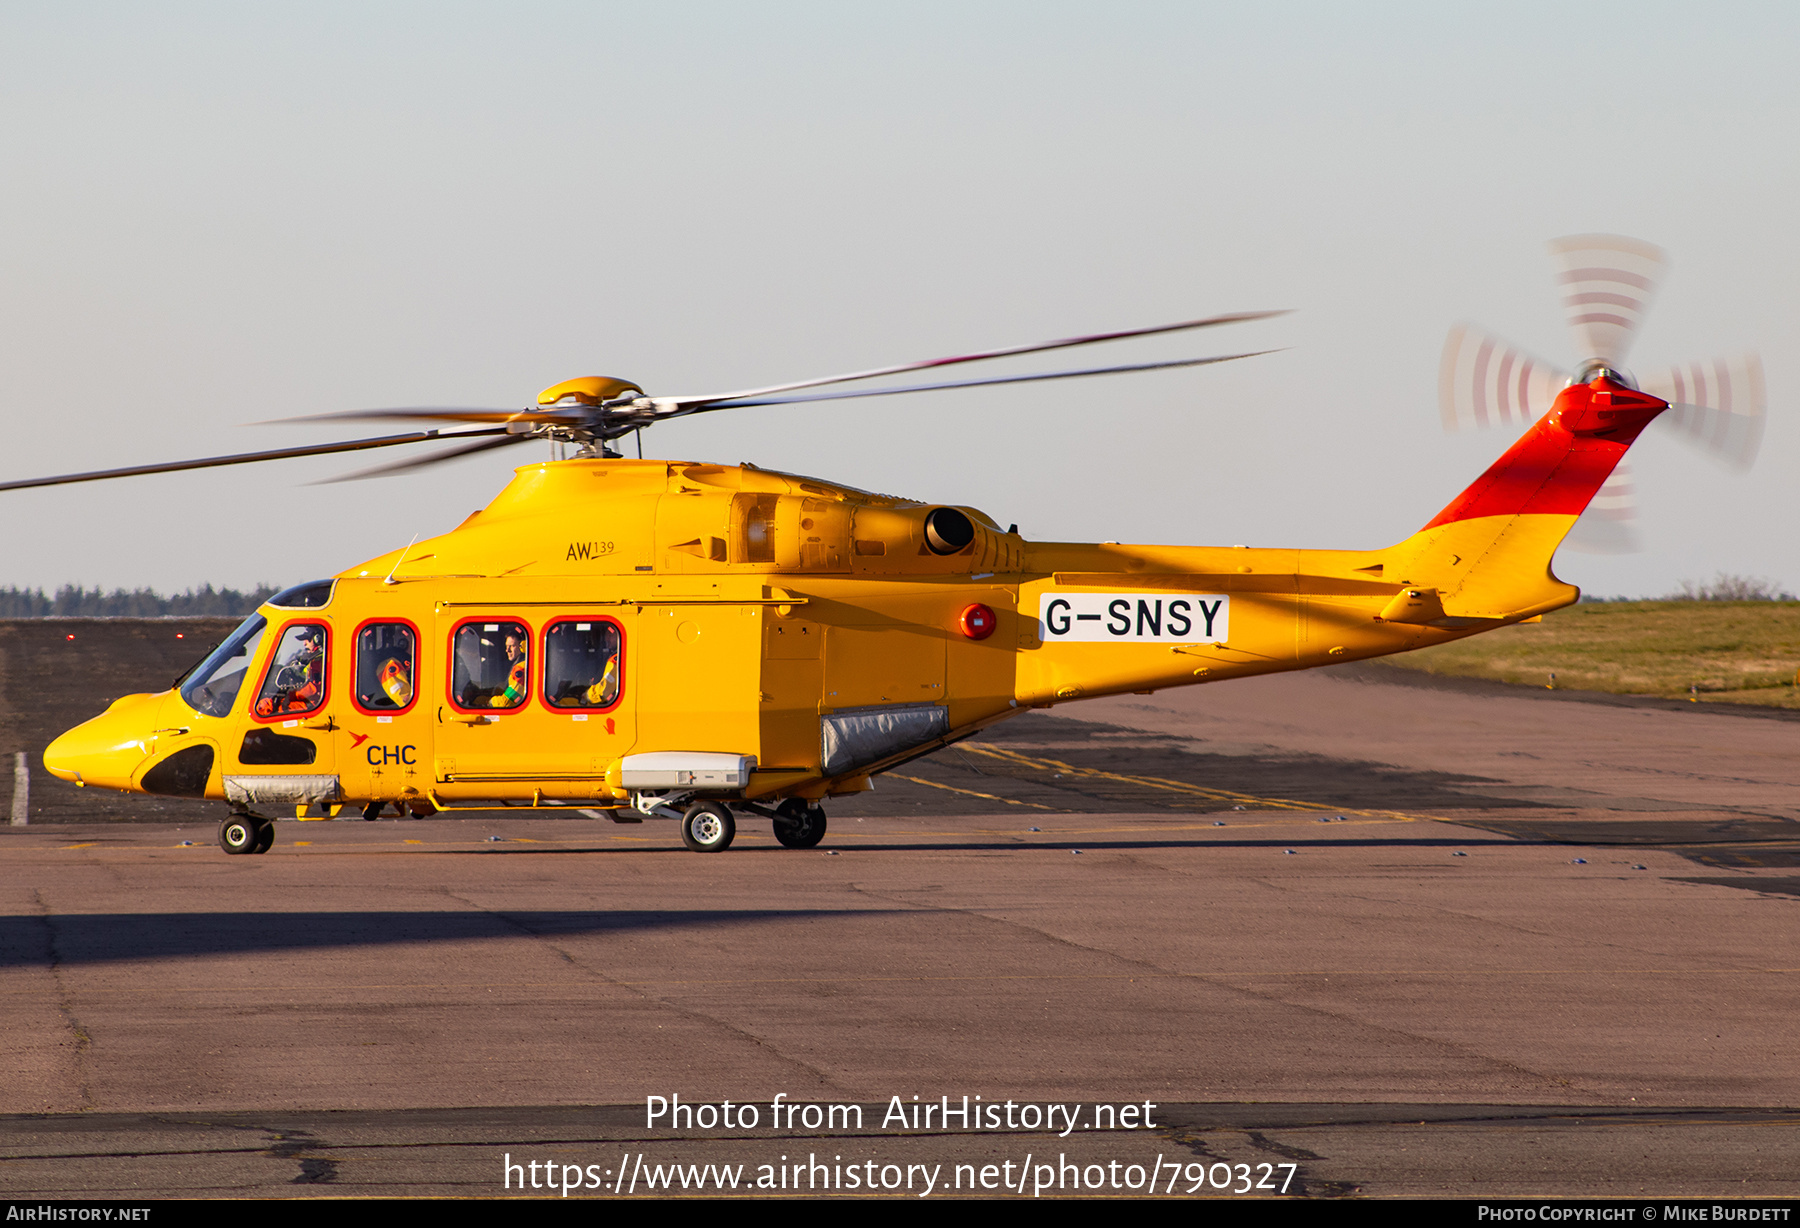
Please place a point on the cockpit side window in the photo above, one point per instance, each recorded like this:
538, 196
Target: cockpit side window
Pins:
212, 686
583, 664
387, 661
490, 665
294, 682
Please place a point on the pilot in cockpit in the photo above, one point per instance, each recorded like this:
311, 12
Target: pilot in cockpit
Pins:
297, 682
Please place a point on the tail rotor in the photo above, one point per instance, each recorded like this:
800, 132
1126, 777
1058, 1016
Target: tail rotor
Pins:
1716, 405
1607, 284
1483, 382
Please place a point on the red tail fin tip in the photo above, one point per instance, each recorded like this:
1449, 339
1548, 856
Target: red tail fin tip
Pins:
1558, 465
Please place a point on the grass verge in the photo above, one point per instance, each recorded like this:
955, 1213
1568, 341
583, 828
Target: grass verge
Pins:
1743, 652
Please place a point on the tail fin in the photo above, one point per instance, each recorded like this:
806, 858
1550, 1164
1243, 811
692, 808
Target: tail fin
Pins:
1488, 554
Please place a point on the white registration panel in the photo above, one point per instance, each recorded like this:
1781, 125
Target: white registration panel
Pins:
1133, 618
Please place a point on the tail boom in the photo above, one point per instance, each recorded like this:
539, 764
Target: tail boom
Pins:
1482, 562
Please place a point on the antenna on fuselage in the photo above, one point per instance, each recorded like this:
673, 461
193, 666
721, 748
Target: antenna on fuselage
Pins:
396, 567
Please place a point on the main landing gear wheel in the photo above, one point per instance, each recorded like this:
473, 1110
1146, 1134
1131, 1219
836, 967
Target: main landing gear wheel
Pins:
799, 825
708, 827
244, 833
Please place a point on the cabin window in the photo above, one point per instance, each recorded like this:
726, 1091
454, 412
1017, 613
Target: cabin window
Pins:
489, 665
386, 666
582, 664
212, 686
294, 683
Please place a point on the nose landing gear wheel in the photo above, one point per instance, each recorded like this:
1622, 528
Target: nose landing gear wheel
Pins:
265, 836
708, 827
799, 825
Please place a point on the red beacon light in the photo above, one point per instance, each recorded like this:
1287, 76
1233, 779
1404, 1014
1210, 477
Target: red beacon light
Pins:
978, 622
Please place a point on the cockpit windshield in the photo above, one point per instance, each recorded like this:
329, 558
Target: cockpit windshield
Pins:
212, 686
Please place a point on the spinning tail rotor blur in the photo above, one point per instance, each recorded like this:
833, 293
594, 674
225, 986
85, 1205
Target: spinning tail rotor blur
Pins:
1607, 283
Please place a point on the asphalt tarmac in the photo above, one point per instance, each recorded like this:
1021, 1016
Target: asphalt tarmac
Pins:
1346, 935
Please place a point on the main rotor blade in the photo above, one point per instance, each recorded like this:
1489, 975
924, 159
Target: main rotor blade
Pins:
421, 462
675, 407
432, 413
972, 383
1608, 281
1065, 343
245, 458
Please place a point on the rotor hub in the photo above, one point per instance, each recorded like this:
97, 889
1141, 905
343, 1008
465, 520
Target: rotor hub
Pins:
1595, 368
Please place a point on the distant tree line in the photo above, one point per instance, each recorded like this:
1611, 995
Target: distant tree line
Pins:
1722, 587
73, 601
1732, 588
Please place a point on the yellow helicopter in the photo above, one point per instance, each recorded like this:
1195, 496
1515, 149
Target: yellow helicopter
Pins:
702, 642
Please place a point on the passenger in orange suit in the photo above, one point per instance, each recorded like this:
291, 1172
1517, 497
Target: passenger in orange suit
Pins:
516, 677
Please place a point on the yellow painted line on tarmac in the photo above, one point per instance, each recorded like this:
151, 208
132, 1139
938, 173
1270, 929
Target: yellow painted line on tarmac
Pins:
1148, 782
1010, 801
1173, 786
90, 845
412, 842
300, 844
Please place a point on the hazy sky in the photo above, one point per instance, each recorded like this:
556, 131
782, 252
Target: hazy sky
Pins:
215, 215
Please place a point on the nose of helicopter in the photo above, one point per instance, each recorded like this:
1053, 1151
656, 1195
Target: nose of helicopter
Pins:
109, 748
